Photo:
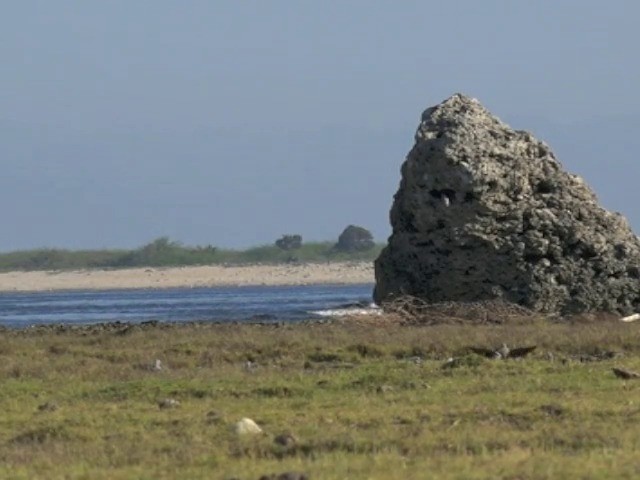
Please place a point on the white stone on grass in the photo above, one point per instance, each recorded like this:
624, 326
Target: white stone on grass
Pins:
246, 426
168, 403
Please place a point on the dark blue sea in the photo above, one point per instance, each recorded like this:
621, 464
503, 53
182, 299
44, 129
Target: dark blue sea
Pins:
223, 304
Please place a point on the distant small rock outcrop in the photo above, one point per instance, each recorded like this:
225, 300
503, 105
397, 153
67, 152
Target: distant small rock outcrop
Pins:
354, 239
486, 212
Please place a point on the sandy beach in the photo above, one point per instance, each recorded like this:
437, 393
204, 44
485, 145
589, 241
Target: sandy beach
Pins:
188, 277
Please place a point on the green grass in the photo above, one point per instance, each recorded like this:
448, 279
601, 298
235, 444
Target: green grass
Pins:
350, 392
165, 253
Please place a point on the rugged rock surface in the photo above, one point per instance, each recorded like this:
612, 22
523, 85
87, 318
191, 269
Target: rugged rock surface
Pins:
486, 212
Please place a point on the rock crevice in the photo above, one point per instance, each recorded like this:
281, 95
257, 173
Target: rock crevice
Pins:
486, 212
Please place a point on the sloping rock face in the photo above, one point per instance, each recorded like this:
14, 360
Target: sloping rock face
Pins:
485, 212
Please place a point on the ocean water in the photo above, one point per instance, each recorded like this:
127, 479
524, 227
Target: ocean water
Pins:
223, 304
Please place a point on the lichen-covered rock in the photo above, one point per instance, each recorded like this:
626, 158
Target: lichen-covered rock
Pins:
486, 212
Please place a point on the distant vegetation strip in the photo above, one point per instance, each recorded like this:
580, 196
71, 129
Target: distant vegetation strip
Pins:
164, 252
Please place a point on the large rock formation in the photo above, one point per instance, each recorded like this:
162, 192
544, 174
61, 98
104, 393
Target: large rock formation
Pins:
486, 212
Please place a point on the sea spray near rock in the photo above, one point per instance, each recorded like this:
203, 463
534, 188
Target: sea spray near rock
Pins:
357, 309
487, 212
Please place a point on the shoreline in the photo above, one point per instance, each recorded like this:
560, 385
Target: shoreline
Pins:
339, 273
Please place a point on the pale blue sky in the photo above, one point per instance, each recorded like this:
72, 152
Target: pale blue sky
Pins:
233, 122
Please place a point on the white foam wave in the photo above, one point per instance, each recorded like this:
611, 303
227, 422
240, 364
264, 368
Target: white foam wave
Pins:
372, 309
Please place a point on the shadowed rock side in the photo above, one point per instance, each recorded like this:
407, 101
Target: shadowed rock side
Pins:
486, 212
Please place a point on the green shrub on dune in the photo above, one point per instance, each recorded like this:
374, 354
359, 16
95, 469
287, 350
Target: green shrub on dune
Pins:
164, 252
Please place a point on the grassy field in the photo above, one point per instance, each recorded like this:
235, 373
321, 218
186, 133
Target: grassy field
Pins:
363, 399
